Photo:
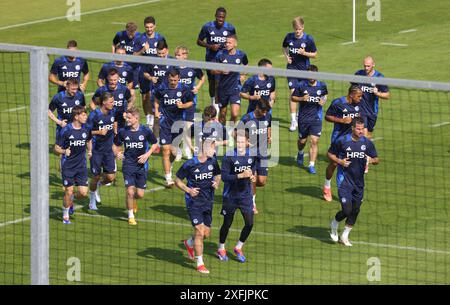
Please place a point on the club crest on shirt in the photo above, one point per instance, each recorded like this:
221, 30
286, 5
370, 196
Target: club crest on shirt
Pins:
190, 73
210, 167
121, 96
303, 45
363, 147
269, 85
141, 138
84, 135
319, 92
238, 61
225, 33
249, 161
124, 73
179, 94
77, 102
77, 67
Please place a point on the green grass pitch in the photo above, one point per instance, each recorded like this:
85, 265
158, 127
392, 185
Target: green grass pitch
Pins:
404, 221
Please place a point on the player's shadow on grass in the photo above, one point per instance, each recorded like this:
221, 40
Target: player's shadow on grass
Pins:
292, 161
111, 212
53, 179
320, 233
27, 146
174, 210
209, 248
312, 191
155, 178
168, 255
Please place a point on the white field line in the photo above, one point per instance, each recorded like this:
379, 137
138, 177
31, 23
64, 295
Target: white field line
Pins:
407, 31
89, 94
11, 222
15, 109
348, 42
121, 23
439, 124
286, 235
81, 14
377, 139
394, 44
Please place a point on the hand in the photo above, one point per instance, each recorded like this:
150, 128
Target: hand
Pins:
63, 123
347, 120
157, 115
215, 47
322, 102
89, 153
375, 91
119, 156
344, 162
146, 46
269, 140
246, 174
83, 87
68, 152
64, 83
103, 132
143, 158
154, 79
193, 191
306, 97
289, 60
255, 97
253, 178
215, 185
180, 105
225, 72
302, 51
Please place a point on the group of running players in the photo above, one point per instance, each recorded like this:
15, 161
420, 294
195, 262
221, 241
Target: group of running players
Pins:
169, 101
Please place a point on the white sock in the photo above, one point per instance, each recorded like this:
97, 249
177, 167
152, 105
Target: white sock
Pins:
239, 245
190, 242
311, 163
346, 232
327, 183
293, 116
130, 213
213, 100
148, 116
221, 246
65, 212
92, 197
168, 176
334, 224
199, 260
254, 197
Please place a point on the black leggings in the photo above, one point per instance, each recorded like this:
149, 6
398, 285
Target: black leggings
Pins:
349, 211
228, 220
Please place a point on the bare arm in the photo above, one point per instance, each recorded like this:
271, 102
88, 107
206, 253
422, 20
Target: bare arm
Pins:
100, 82
334, 119
335, 159
52, 117
53, 78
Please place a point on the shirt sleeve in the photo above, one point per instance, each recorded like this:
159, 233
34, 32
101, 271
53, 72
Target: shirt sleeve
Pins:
54, 68
137, 44
53, 104
370, 149
118, 138
247, 85
334, 148
325, 90
85, 68
60, 140
199, 73
90, 121
273, 82
216, 170
151, 139
82, 100
97, 94
129, 77
103, 72
286, 41
183, 172
332, 110
225, 172
311, 47
298, 91
203, 33
116, 39
127, 94
245, 60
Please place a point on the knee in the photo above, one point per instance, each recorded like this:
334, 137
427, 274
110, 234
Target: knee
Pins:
206, 233
130, 192
109, 178
139, 194
261, 181
83, 192
200, 232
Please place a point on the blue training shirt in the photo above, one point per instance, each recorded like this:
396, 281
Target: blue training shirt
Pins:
310, 111
230, 82
369, 101
215, 35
